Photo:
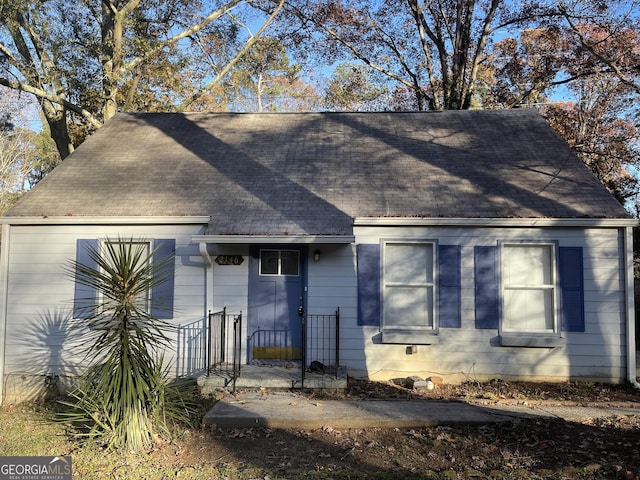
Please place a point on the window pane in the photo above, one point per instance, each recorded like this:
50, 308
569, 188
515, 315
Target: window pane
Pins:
528, 310
408, 307
289, 262
527, 265
269, 262
409, 264
408, 285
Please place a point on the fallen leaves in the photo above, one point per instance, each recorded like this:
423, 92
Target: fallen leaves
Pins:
527, 449
498, 390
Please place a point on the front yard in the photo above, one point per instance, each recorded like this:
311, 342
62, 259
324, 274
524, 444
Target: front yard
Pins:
530, 449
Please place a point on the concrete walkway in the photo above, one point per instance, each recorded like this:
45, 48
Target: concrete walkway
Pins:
292, 410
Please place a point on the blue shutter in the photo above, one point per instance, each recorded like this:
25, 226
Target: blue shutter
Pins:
85, 297
162, 294
449, 303
572, 289
486, 287
368, 284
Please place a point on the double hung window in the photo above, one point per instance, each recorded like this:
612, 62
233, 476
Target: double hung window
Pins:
408, 289
529, 294
159, 302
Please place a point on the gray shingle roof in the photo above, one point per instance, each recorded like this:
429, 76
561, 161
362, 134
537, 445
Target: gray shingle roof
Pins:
311, 173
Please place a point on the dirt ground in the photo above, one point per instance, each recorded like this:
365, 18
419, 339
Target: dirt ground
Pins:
525, 449
582, 393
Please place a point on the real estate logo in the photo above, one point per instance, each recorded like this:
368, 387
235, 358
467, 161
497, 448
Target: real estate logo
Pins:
35, 468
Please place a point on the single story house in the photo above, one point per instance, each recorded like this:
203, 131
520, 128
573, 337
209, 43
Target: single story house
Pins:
463, 244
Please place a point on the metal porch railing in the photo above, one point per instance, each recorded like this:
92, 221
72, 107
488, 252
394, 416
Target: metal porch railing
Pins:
264, 344
316, 349
321, 340
224, 345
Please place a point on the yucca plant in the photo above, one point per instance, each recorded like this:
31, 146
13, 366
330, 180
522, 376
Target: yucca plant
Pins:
124, 395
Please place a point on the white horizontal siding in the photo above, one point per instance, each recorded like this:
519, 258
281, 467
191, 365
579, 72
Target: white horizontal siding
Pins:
604, 306
41, 292
469, 352
230, 287
332, 281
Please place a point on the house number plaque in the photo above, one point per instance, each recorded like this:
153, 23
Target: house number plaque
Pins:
229, 259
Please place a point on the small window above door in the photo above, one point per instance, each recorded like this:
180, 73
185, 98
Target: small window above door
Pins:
279, 262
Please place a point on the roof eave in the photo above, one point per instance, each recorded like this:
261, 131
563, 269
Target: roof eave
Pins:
496, 222
106, 220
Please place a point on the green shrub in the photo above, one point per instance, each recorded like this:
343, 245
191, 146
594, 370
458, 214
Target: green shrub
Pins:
125, 397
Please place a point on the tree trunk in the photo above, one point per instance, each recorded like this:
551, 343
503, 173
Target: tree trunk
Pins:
57, 121
109, 86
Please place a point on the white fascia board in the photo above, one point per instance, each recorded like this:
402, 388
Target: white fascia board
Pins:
72, 220
4, 296
496, 222
630, 309
266, 239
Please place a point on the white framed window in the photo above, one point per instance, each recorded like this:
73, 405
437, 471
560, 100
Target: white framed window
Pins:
279, 262
408, 289
529, 294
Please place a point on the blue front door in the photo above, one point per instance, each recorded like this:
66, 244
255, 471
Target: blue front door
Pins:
276, 292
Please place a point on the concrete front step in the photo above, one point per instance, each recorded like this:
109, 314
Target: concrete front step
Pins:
254, 377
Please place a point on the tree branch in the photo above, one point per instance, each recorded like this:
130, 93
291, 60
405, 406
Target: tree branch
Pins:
417, 17
605, 60
253, 39
38, 92
484, 36
130, 66
363, 58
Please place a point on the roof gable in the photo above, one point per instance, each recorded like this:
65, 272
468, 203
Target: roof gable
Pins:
312, 173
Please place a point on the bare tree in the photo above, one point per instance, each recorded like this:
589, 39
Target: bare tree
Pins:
23, 158
85, 59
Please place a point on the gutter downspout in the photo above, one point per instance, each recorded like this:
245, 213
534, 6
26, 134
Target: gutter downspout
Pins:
630, 308
4, 297
208, 277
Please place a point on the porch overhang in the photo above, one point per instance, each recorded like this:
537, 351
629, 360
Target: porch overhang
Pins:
204, 240
274, 239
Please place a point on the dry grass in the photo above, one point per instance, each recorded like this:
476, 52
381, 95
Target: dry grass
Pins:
532, 449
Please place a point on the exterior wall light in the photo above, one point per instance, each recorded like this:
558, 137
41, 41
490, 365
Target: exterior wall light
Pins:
316, 256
